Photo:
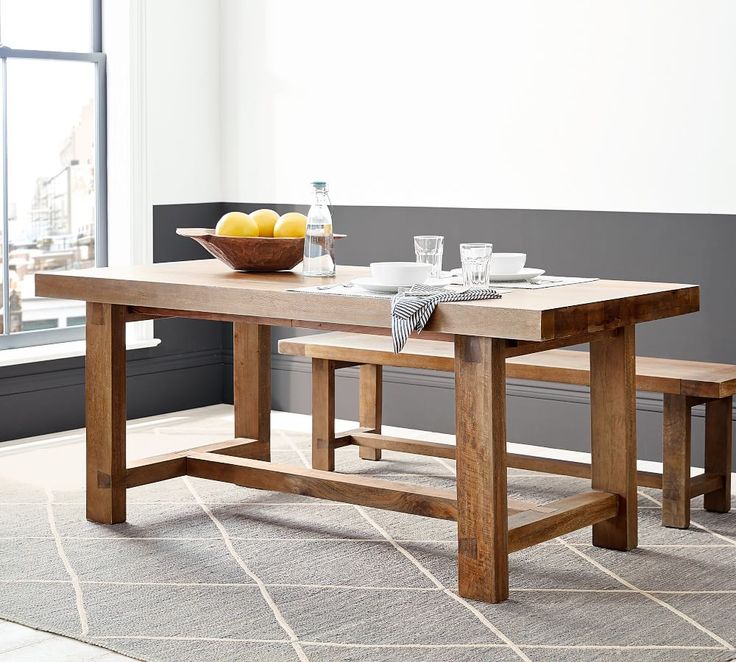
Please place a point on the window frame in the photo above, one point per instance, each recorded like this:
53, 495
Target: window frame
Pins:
97, 57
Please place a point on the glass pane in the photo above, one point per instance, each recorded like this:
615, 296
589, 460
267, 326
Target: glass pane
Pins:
3, 328
46, 25
51, 184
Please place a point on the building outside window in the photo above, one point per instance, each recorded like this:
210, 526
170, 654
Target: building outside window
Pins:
53, 148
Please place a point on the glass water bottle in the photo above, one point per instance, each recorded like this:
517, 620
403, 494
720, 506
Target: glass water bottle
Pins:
319, 244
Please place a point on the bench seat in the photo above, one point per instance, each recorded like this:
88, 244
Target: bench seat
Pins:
566, 366
684, 384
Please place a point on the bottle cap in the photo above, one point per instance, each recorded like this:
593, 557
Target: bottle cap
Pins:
319, 185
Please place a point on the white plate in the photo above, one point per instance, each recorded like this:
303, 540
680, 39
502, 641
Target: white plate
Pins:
368, 283
527, 273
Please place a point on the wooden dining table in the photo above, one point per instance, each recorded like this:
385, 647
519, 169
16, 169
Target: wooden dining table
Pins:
490, 526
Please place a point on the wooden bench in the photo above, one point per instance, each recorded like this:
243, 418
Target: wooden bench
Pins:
684, 385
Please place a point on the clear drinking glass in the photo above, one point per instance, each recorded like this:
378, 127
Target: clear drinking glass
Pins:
476, 262
428, 249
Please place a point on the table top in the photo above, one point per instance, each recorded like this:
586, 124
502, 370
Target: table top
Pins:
207, 286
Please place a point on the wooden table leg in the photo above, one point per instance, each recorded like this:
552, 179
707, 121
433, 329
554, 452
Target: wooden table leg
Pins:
613, 434
480, 420
323, 414
252, 386
105, 413
371, 406
676, 462
718, 449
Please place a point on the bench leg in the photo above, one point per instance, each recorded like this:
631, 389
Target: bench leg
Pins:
371, 405
323, 414
105, 413
718, 444
676, 462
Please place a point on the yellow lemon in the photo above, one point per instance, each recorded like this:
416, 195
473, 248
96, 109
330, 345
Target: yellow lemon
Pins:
292, 224
237, 224
266, 219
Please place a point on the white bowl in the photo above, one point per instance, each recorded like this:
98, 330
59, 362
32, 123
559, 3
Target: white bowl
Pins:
400, 274
507, 263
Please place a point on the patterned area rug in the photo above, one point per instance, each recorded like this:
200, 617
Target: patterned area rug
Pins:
207, 571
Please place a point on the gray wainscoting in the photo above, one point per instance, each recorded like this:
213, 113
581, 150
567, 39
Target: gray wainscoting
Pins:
682, 248
192, 366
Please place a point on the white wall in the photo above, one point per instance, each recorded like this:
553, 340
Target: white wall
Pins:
163, 87
611, 105
163, 65
117, 40
183, 100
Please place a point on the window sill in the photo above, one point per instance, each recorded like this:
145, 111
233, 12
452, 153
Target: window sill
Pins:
62, 350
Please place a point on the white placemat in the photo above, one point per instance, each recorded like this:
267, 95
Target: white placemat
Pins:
355, 291
540, 283
342, 290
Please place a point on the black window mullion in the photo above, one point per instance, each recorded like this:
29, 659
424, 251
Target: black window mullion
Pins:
5, 246
101, 252
96, 26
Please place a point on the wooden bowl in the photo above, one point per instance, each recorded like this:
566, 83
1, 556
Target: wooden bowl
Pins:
250, 253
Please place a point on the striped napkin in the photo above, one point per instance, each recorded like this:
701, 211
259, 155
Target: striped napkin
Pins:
412, 308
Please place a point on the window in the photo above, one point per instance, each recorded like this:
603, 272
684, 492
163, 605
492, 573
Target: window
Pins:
53, 142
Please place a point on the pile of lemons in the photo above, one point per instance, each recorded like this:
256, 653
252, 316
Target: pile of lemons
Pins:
262, 223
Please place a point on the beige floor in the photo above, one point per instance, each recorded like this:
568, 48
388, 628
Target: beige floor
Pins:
21, 644
63, 461
58, 461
